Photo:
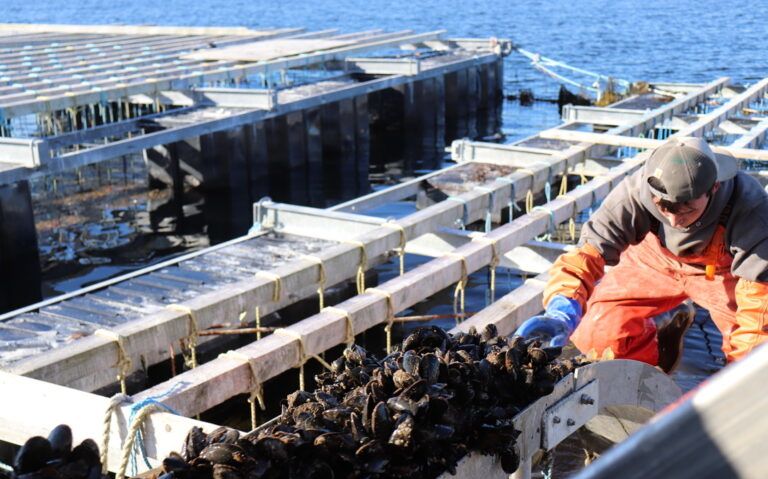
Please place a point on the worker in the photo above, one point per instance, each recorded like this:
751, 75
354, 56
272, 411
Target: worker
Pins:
687, 224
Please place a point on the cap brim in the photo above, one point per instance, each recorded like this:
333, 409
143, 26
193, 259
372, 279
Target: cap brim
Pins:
727, 166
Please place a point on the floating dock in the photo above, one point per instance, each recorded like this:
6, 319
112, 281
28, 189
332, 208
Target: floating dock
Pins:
297, 252
236, 113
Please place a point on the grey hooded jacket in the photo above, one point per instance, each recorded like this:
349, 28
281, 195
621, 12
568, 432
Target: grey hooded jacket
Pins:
628, 214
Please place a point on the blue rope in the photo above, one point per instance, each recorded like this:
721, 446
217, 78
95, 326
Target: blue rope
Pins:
138, 445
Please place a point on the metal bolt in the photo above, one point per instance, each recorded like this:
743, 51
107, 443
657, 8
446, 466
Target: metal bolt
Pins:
570, 422
586, 399
556, 420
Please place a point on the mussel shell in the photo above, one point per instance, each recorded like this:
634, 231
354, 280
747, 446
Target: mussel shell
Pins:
489, 332
223, 453
272, 448
223, 434
381, 421
195, 442
402, 436
225, 471
60, 439
402, 379
298, 398
411, 362
33, 455
429, 368
416, 390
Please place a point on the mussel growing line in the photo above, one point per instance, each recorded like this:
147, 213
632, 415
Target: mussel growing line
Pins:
414, 413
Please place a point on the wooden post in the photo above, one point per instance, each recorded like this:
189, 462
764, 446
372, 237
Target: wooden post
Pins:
347, 161
296, 147
258, 164
411, 127
362, 144
431, 153
472, 100
19, 258
314, 142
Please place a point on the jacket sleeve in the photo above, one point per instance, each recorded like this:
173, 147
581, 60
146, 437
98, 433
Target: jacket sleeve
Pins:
574, 275
751, 318
620, 221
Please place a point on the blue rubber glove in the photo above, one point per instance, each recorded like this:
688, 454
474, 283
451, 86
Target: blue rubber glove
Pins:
557, 323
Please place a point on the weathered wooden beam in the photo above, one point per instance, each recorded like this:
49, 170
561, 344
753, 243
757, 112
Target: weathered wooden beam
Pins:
128, 29
648, 143
30, 407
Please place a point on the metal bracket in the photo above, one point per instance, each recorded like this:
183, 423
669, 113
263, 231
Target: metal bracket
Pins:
570, 413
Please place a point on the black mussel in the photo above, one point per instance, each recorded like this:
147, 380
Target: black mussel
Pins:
272, 448
327, 400
335, 442
224, 471
60, 439
33, 455
401, 404
402, 436
355, 354
337, 367
224, 453
223, 434
416, 390
465, 356
489, 332
298, 398
510, 459
195, 442
337, 417
356, 427
410, 362
402, 379
429, 368
381, 421
174, 462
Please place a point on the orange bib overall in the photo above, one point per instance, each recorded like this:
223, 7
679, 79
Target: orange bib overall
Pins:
650, 280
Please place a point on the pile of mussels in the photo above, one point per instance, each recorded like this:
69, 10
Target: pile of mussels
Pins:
54, 457
415, 413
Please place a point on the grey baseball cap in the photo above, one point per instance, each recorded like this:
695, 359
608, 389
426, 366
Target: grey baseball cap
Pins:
686, 168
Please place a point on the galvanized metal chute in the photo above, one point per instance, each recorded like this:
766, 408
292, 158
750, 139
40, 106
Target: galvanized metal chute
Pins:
719, 431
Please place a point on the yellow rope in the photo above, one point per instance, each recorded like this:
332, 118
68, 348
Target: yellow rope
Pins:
563, 186
257, 314
584, 179
495, 260
572, 229
114, 402
278, 291
349, 340
390, 314
320, 279
528, 201
360, 279
302, 353
403, 241
257, 390
458, 293
123, 363
191, 360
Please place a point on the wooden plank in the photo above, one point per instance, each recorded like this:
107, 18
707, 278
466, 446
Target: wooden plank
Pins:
36, 407
130, 29
636, 142
267, 50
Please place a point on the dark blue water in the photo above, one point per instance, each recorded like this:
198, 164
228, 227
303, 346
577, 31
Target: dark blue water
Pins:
683, 41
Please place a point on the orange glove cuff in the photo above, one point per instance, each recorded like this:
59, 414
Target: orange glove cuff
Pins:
574, 275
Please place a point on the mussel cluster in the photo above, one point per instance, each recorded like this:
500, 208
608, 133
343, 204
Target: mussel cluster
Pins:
55, 458
415, 413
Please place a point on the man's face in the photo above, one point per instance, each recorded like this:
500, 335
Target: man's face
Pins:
684, 214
